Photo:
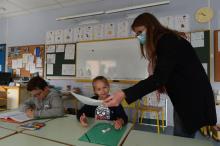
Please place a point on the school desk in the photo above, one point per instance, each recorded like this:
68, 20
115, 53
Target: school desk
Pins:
27, 140
15, 126
5, 132
141, 138
68, 130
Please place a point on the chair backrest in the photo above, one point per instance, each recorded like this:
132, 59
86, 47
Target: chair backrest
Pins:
126, 105
150, 100
143, 101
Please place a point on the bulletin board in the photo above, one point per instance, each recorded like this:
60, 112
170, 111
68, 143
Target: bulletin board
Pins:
2, 57
23, 61
60, 61
200, 41
217, 55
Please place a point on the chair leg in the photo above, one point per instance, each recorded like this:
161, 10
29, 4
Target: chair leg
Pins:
162, 120
135, 116
142, 115
158, 124
75, 106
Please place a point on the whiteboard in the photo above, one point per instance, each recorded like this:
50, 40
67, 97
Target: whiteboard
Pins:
114, 59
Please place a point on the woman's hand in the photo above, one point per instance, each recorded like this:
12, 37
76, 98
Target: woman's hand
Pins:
83, 120
118, 123
115, 99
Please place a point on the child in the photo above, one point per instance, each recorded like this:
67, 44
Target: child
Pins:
117, 114
45, 101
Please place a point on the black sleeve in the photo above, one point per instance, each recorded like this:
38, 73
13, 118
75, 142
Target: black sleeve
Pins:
88, 110
166, 61
120, 113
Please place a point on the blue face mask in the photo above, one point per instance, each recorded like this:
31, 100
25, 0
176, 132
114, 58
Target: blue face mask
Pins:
142, 38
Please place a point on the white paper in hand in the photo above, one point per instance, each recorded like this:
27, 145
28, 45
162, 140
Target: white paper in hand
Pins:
87, 100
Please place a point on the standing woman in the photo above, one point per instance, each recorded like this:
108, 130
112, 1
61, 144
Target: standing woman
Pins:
177, 71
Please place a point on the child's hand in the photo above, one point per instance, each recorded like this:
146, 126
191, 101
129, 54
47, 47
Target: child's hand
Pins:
96, 117
29, 113
118, 123
83, 120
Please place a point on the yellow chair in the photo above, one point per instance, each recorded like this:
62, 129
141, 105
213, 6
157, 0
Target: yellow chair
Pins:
3, 99
133, 107
154, 109
206, 131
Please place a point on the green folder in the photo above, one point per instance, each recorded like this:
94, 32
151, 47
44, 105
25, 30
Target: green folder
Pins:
108, 138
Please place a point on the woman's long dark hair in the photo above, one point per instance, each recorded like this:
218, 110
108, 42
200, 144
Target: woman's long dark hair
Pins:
154, 31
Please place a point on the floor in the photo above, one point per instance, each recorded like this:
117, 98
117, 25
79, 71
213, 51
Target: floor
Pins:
169, 131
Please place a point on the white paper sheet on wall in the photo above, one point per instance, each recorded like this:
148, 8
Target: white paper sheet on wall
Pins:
51, 58
49, 69
50, 49
68, 35
167, 21
59, 36
109, 30
69, 52
197, 39
60, 48
25, 58
50, 36
68, 69
182, 23
38, 62
27, 66
122, 29
19, 63
78, 34
31, 58
32, 68
88, 33
18, 72
98, 31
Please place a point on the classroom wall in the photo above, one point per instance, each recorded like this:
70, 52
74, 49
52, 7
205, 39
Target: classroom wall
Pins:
31, 28
3, 24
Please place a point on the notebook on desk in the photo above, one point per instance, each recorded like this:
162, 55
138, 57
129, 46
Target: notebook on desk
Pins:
15, 116
104, 134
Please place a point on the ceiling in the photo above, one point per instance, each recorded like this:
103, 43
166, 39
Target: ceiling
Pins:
17, 7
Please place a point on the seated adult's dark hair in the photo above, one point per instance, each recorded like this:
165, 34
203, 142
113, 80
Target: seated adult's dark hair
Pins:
36, 83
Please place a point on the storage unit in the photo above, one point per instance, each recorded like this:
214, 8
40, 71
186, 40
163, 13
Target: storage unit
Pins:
16, 96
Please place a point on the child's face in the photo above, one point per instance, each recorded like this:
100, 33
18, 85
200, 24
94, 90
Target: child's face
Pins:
39, 93
101, 89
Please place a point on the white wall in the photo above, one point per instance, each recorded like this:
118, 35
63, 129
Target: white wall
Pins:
3, 24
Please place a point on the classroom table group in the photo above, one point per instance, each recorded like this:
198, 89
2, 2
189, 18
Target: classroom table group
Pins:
66, 131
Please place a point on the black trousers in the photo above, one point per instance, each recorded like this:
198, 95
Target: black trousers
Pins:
179, 130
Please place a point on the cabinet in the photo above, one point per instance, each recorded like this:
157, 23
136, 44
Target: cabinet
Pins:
16, 96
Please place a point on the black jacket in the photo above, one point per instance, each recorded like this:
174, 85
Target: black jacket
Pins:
179, 69
115, 112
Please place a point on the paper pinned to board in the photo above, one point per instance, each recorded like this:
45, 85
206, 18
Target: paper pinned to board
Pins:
87, 100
